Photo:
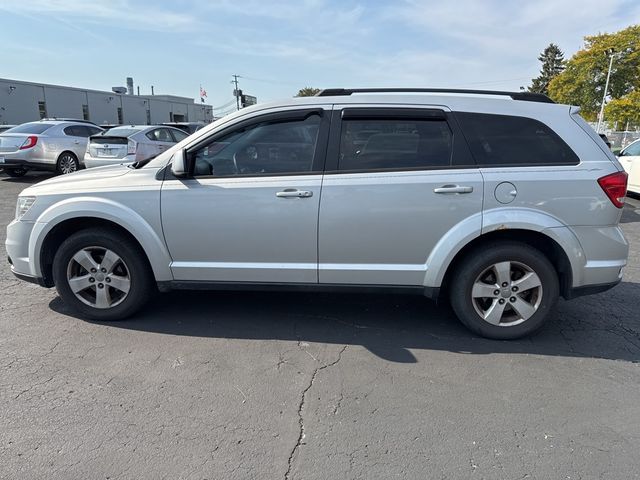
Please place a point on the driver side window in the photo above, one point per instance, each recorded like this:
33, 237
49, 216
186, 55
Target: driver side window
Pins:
269, 148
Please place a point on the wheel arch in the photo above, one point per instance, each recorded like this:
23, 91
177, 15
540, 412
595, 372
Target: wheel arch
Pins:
70, 216
540, 240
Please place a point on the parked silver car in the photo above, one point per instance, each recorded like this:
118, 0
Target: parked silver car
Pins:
498, 202
128, 144
45, 145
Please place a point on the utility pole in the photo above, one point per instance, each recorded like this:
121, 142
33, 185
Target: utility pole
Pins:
236, 91
606, 88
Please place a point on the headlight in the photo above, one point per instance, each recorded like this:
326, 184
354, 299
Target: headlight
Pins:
23, 206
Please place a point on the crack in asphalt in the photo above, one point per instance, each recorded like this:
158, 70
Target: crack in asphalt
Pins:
301, 434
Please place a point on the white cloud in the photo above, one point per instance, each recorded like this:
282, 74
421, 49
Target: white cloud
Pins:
113, 12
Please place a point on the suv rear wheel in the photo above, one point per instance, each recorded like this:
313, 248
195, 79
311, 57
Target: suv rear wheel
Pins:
102, 275
504, 291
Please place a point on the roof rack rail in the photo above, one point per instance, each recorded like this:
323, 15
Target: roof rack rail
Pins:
525, 96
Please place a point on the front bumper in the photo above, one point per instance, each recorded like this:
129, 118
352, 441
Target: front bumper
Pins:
28, 278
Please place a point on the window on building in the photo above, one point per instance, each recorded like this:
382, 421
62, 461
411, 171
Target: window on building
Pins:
42, 109
148, 117
85, 112
120, 122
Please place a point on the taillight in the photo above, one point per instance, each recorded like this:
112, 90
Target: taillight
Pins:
131, 147
615, 186
30, 142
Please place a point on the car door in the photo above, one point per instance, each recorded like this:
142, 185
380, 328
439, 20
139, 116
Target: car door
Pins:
76, 140
630, 160
248, 212
397, 181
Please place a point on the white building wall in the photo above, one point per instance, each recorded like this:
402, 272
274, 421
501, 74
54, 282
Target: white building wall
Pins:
64, 102
19, 104
103, 107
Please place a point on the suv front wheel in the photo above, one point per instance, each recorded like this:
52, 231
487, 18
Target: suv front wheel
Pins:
102, 275
504, 291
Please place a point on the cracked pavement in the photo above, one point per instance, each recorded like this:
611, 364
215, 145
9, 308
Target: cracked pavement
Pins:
222, 385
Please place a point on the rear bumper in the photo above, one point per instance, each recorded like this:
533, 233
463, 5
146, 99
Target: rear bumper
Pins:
91, 162
589, 290
29, 164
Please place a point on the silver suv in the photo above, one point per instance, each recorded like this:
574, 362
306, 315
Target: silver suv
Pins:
500, 202
56, 145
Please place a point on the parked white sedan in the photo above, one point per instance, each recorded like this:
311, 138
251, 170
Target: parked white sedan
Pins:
630, 160
130, 143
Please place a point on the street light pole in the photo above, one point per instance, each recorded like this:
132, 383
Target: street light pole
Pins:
604, 96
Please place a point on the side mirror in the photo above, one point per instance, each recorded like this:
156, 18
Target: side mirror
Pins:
179, 164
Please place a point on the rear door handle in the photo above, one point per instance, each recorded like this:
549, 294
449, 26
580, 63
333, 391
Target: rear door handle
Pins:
292, 193
453, 189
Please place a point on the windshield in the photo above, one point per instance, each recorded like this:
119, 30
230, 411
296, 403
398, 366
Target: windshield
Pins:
33, 128
120, 132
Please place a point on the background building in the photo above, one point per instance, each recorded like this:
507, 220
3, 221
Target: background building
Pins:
27, 101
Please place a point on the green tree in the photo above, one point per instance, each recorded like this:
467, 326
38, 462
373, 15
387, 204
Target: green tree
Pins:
583, 80
624, 111
552, 59
307, 92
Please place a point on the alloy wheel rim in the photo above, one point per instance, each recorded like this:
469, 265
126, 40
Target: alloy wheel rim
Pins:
507, 293
68, 164
98, 277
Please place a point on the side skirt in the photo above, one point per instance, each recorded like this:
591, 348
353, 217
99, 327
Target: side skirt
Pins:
429, 292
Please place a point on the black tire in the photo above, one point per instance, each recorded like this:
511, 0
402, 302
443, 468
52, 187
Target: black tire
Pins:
480, 263
15, 172
134, 264
67, 163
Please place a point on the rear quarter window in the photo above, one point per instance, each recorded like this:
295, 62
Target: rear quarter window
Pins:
504, 140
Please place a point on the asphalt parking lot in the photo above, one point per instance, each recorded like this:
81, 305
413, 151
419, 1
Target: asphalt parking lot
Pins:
206, 385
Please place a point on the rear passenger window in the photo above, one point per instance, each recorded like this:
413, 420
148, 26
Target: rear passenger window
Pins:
503, 140
381, 144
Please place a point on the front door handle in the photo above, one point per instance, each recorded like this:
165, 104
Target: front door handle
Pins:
453, 189
293, 193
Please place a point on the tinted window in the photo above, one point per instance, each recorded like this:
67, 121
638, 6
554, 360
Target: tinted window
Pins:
77, 131
160, 135
261, 149
178, 135
497, 140
94, 130
394, 144
34, 128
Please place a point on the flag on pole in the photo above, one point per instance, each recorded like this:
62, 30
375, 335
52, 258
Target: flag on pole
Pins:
203, 94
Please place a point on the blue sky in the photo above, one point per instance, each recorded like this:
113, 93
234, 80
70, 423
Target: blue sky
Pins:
281, 46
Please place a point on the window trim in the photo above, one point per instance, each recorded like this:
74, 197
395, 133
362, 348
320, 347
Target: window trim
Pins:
522, 165
319, 156
460, 155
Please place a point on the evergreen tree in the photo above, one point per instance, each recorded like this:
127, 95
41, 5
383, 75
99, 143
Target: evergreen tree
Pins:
552, 59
